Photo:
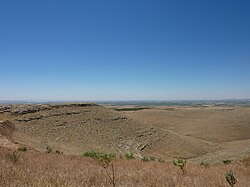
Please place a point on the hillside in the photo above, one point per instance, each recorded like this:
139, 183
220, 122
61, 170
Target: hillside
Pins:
42, 169
199, 135
224, 129
79, 127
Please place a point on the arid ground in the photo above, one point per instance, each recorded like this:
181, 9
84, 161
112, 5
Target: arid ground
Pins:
199, 134
224, 131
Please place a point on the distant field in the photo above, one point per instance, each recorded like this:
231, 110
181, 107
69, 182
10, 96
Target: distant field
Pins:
240, 102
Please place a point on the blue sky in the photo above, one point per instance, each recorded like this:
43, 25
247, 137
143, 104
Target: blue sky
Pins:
124, 49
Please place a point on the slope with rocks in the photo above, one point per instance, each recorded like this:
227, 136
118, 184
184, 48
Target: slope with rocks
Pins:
79, 127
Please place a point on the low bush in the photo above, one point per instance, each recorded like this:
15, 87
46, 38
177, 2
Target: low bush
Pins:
180, 163
151, 158
59, 152
100, 155
161, 160
129, 156
49, 149
145, 159
226, 162
230, 178
22, 149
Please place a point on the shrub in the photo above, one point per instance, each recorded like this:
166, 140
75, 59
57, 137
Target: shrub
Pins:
180, 163
49, 149
129, 156
226, 162
161, 160
90, 154
145, 159
59, 152
100, 156
105, 160
151, 158
22, 149
230, 178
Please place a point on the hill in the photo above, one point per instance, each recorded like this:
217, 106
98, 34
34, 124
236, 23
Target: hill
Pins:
210, 134
198, 134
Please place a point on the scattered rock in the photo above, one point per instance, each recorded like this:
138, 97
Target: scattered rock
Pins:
29, 119
61, 124
4, 108
119, 118
73, 112
22, 109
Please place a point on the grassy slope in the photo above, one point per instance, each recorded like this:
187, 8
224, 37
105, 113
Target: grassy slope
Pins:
41, 169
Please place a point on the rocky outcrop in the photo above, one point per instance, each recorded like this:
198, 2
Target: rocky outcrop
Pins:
22, 109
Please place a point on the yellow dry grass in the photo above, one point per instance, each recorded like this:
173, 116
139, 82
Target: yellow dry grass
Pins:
42, 169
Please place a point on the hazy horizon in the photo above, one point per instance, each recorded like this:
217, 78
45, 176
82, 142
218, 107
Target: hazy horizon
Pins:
107, 101
124, 50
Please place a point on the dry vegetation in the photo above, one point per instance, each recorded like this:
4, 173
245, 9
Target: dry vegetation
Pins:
42, 169
42, 145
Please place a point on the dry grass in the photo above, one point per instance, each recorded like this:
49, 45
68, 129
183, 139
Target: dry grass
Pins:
41, 169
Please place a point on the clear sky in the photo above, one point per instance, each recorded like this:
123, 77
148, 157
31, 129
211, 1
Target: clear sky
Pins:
124, 49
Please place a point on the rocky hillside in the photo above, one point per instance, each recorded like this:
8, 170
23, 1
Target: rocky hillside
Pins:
79, 127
